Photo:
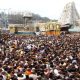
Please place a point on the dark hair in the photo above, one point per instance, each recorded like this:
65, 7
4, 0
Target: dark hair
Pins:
27, 77
30, 78
1, 77
14, 77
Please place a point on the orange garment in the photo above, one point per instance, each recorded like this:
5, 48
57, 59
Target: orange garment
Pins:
28, 72
18, 67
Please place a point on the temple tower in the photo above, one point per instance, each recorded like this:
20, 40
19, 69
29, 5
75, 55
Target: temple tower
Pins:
69, 15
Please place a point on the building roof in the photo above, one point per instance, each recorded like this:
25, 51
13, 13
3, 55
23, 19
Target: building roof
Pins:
75, 29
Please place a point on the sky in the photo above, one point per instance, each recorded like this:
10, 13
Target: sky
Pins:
45, 8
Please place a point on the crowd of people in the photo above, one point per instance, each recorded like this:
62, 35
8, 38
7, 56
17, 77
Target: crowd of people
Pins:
40, 57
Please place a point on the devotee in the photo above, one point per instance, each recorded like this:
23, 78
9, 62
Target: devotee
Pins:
40, 57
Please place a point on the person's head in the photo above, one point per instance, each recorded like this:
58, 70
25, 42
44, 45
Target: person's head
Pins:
1, 77
27, 77
14, 78
30, 78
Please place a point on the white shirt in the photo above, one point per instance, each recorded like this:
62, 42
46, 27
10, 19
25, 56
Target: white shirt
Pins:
56, 72
34, 76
